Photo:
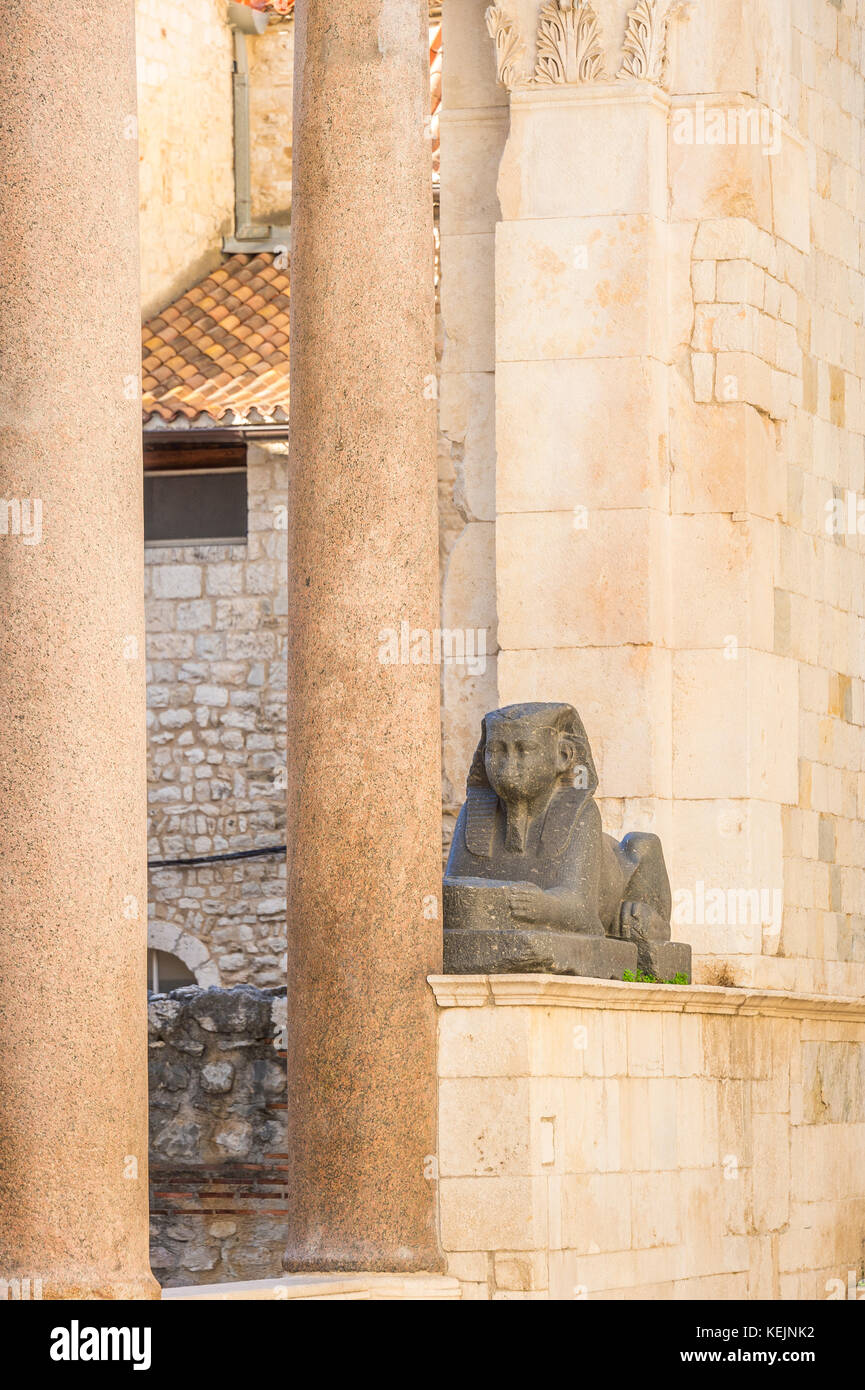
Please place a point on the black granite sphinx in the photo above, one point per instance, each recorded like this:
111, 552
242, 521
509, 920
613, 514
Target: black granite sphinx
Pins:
532, 882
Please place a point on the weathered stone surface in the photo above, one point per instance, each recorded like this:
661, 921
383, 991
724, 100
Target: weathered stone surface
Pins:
217, 1133
512, 952
364, 777
664, 960
532, 874
73, 1191
610, 1140
216, 744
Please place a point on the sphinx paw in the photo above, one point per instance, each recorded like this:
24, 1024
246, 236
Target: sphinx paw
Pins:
638, 921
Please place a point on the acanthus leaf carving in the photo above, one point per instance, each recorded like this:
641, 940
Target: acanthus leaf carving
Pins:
644, 43
510, 50
569, 44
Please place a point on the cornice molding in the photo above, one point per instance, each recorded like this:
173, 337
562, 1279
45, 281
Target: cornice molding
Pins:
570, 992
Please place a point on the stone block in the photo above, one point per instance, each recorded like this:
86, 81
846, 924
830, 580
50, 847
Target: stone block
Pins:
469, 67
581, 287
723, 582
588, 151
483, 1126
176, 581
730, 179
484, 1042
596, 1212
468, 303
712, 48
717, 752
791, 193
569, 580
559, 423
723, 457
493, 1213
467, 420
471, 149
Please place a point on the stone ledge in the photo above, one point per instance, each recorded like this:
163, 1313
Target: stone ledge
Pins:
632, 93
370, 1287
474, 991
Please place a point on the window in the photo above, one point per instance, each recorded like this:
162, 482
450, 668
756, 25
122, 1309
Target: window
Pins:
195, 507
166, 972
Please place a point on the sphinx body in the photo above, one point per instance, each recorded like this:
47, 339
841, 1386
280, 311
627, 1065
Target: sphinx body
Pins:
532, 880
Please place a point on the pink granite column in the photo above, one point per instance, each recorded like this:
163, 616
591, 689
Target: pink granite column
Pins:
364, 810
73, 1060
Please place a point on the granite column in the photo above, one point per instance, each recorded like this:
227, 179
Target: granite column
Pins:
364, 804
73, 1059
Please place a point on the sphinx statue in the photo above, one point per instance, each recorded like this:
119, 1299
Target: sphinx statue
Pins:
532, 882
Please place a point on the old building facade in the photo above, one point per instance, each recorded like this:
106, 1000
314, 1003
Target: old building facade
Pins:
646, 395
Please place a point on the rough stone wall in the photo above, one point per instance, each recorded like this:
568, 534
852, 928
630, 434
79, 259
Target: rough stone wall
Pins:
216, 633
217, 1134
186, 140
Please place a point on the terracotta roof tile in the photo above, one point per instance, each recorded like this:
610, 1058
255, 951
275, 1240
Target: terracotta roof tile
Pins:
221, 351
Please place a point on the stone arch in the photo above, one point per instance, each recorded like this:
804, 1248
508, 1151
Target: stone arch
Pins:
164, 936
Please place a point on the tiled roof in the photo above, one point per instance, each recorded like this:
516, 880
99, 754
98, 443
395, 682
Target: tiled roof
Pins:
435, 75
219, 354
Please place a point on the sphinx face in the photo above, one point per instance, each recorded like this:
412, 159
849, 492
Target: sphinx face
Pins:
520, 759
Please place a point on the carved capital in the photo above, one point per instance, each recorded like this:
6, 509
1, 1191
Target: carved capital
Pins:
510, 49
645, 43
569, 44
570, 49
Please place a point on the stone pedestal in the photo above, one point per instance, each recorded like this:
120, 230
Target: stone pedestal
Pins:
364, 797
604, 1140
534, 950
73, 894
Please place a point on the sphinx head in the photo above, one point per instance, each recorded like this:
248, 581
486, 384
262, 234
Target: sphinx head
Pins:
527, 749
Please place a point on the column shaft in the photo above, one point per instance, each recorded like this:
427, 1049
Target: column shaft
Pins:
364, 811
73, 1079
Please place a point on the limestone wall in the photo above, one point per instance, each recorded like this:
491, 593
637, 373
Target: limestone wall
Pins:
216, 633
677, 352
473, 127
604, 1140
271, 92
185, 139
217, 1134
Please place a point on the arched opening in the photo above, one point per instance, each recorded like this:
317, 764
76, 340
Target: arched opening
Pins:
166, 972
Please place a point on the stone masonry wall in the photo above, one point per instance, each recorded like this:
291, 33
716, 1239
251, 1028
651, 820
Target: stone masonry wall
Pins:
186, 138
186, 141
820, 577
217, 1134
216, 635
271, 92
601, 1140
473, 126
679, 358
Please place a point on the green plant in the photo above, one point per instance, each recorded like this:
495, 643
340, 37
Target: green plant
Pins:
642, 978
